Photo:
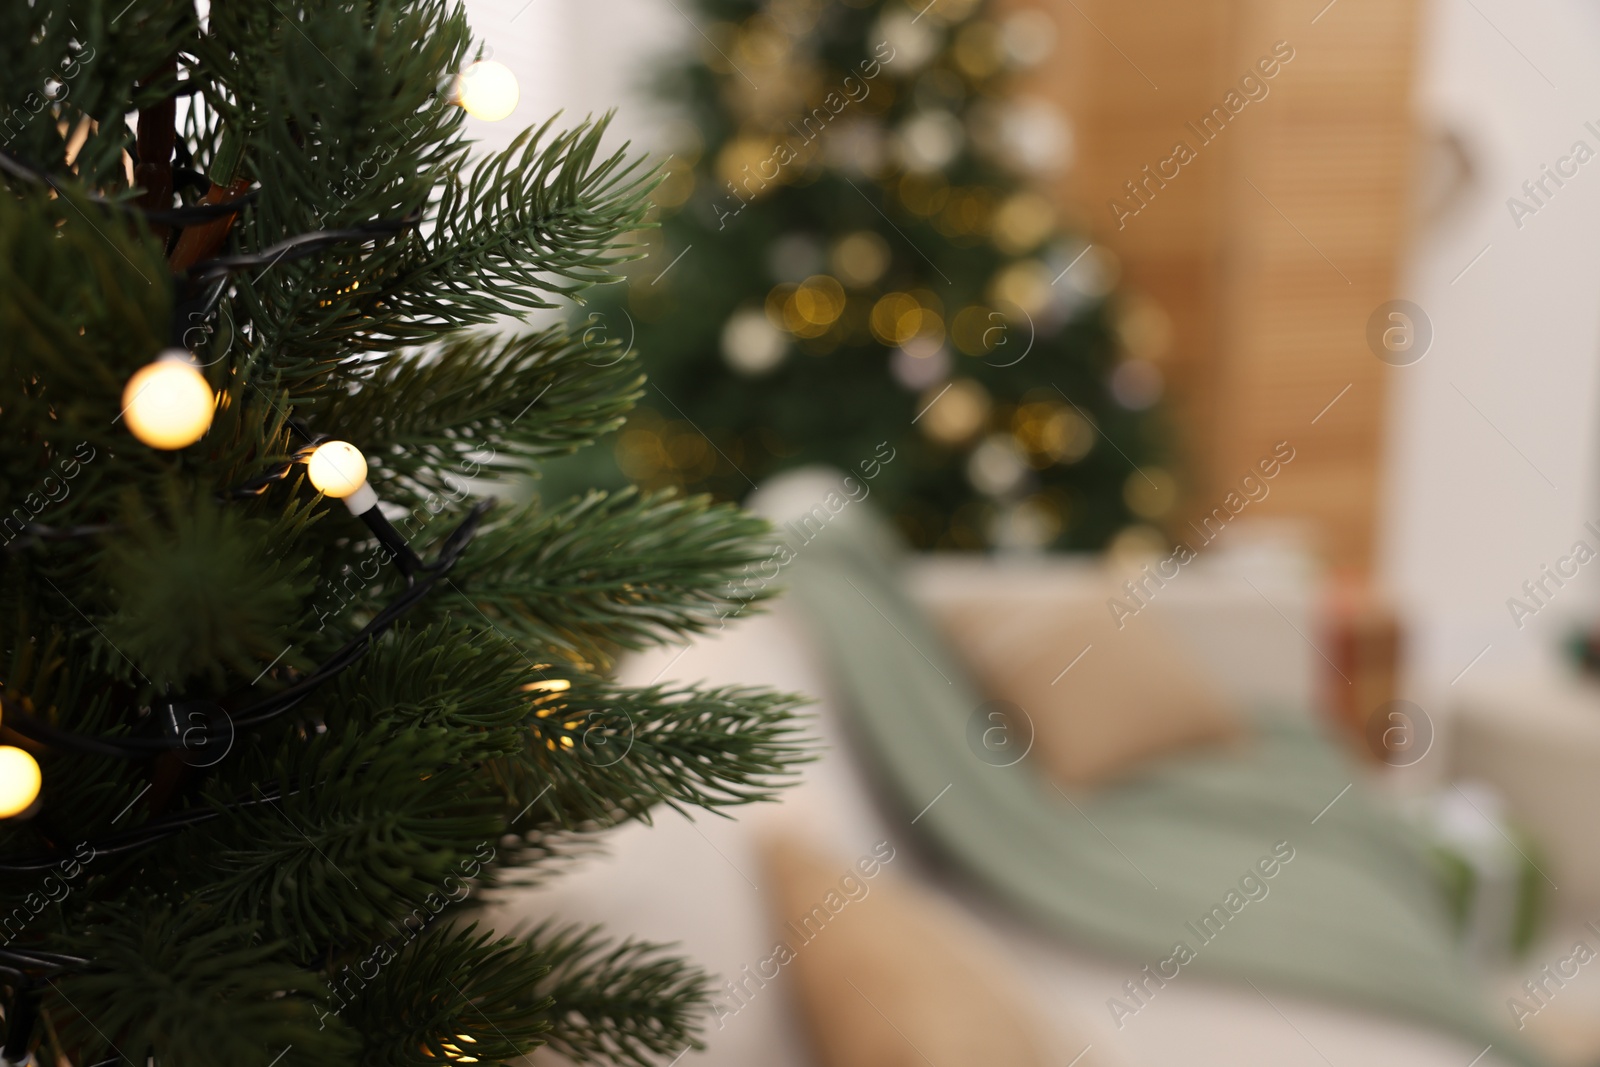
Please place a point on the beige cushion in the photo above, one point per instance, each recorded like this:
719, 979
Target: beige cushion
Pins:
886, 976
1099, 699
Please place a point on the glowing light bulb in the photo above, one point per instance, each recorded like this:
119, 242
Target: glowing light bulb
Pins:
167, 404
487, 90
19, 781
338, 469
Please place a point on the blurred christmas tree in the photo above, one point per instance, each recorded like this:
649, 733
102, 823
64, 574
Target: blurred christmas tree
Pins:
267, 735
850, 253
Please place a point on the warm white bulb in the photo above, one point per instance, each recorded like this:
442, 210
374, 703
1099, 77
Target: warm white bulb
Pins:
19, 781
338, 469
167, 404
487, 90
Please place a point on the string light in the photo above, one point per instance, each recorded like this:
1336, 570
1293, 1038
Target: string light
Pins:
487, 90
167, 404
955, 414
19, 781
338, 469
751, 344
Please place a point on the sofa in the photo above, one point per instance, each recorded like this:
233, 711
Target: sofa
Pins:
699, 883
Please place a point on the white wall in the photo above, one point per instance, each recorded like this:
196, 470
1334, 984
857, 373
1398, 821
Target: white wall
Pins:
578, 56
1476, 503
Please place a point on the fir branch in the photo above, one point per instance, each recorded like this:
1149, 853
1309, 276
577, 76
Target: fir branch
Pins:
341, 118
441, 675
65, 67
621, 1003
541, 217
170, 984
339, 114
451, 993
199, 592
597, 753
457, 993
86, 304
430, 418
357, 840
535, 222
614, 570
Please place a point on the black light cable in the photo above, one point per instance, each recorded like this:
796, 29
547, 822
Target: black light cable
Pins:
301, 245
136, 838
269, 708
21, 1016
184, 216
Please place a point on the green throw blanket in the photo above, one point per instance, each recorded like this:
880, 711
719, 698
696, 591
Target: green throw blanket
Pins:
1177, 856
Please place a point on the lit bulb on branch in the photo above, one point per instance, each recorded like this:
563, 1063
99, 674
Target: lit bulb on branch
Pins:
487, 90
338, 469
19, 781
167, 404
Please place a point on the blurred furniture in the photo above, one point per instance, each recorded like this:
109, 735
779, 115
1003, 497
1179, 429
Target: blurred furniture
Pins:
698, 883
1537, 741
1233, 628
1272, 248
1362, 637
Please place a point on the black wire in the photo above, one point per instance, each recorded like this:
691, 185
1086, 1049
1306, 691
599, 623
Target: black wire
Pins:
188, 177
20, 1020
197, 213
138, 837
137, 748
259, 484
278, 472
184, 216
34, 532
190, 309
404, 557
293, 248
186, 312
42, 956
357, 647
46, 734
55, 962
301, 245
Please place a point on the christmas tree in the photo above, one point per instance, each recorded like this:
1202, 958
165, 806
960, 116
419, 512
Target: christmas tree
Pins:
284, 689
852, 265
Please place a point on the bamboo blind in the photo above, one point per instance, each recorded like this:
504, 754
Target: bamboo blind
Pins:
1273, 246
